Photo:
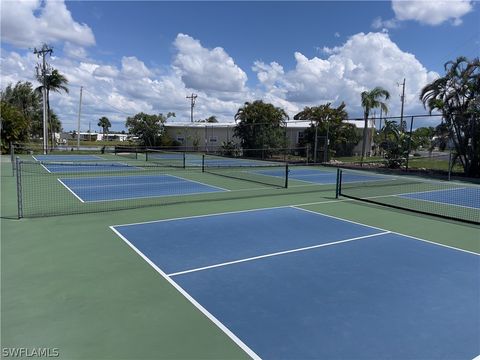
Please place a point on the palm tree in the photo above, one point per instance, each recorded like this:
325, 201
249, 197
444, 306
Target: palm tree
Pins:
105, 124
371, 100
55, 82
456, 96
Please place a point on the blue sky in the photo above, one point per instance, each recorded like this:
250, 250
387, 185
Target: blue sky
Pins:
147, 56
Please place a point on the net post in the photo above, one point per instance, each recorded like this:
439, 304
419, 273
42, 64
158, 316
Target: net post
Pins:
203, 163
338, 185
286, 175
12, 158
184, 163
450, 165
19, 188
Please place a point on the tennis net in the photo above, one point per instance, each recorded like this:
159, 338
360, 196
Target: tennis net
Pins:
166, 158
450, 200
47, 188
257, 171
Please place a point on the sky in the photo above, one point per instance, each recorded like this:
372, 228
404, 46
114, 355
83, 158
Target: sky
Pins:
133, 56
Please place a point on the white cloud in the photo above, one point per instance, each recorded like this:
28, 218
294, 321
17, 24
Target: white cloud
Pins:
73, 51
106, 72
268, 74
204, 69
363, 62
429, 12
134, 68
29, 23
378, 23
432, 12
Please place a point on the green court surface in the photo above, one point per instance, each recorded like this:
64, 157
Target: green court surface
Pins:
68, 282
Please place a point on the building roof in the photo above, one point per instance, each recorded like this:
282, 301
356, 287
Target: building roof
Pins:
300, 124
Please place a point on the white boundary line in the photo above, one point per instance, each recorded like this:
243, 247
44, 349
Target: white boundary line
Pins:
420, 200
201, 216
277, 254
34, 158
198, 182
430, 191
41, 163
298, 208
78, 197
204, 311
149, 196
438, 202
392, 232
405, 196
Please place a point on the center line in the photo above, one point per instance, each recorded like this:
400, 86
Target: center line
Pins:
276, 254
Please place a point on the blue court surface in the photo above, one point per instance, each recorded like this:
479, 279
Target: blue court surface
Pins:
316, 176
218, 162
465, 197
287, 283
88, 167
66, 157
108, 188
196, 160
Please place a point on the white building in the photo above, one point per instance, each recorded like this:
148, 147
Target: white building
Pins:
92, 136
205, 136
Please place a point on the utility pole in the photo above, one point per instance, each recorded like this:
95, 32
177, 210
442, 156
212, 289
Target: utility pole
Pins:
402, 124
192, 105
42, 70
79, 114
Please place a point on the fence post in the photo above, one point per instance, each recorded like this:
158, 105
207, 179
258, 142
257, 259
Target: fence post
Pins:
19, 188
203, 163
409, 143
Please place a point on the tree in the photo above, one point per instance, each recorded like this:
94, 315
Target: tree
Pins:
13, 124
372, 100
105, 124
148, 128
55, 82
423, 136
328, 122
260, 126
23, 97
211, 119
457, 96
394, 143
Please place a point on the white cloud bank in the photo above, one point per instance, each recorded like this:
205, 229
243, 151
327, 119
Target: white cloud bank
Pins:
362, 62
27, 22
429, 12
